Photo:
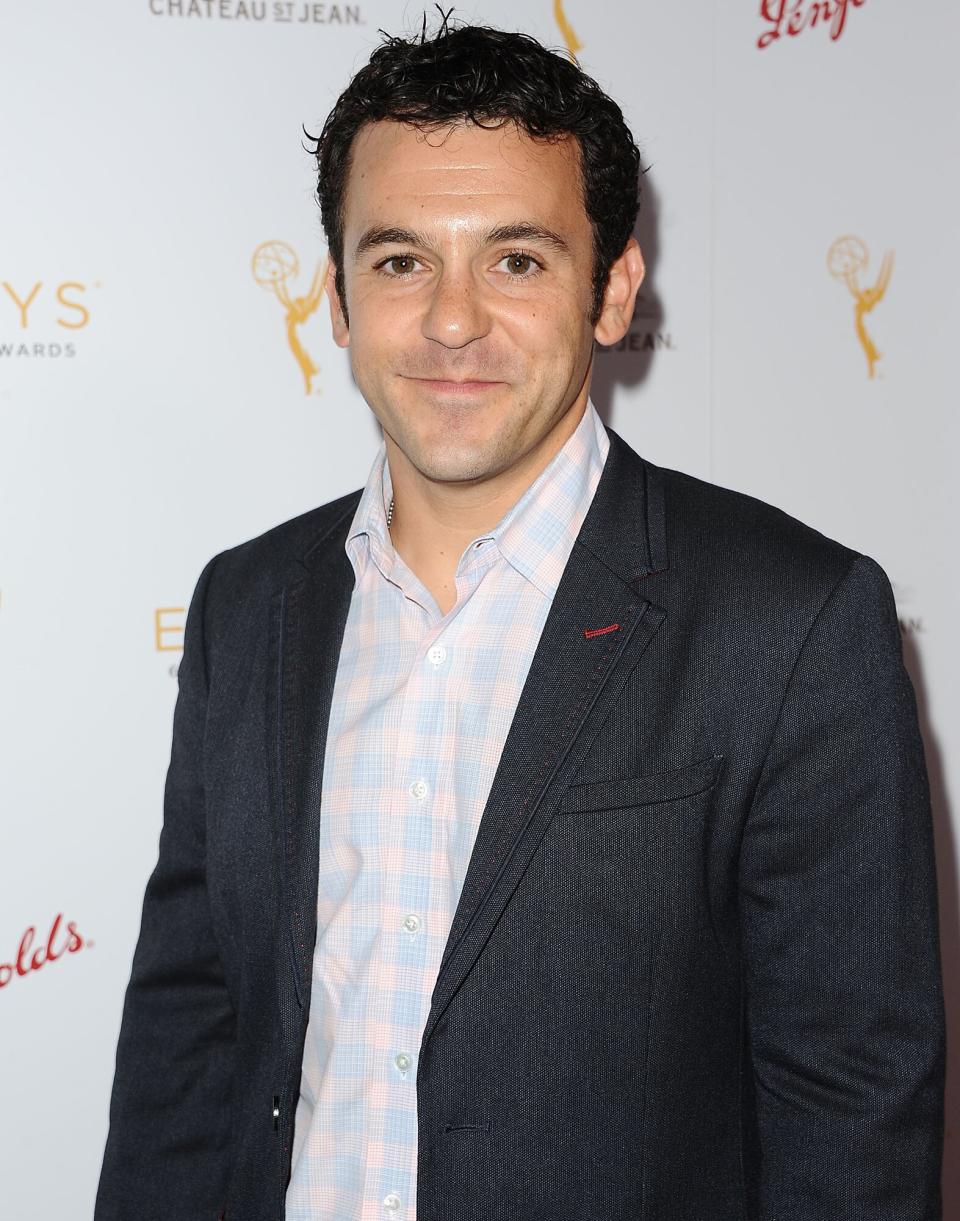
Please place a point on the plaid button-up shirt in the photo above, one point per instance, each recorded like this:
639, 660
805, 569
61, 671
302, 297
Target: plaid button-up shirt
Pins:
421, 709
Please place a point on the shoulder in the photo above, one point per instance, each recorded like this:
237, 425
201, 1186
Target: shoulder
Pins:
740, 529
753, 550
254, 571
755, 586
742, 557
291, 542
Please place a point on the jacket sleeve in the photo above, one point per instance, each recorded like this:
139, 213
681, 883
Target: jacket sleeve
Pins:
843, 998
167, 1149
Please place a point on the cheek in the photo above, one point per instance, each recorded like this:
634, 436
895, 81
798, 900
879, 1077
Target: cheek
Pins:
375, 336
555, 334
378, 311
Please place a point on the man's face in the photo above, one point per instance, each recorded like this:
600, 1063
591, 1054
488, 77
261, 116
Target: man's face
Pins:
468, 260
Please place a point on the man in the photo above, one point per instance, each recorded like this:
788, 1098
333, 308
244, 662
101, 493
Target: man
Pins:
546, 833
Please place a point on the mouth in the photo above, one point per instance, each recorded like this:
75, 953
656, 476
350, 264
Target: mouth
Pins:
446, 385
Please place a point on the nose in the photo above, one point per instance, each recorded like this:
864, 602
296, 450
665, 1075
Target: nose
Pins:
456, 314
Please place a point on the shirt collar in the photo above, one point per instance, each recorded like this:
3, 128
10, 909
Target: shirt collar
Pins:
535, 537
368, 533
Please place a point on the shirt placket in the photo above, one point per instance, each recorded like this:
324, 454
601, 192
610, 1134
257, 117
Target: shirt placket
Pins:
401, 963
417, 885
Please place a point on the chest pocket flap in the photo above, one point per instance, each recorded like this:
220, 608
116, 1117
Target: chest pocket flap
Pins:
643, 790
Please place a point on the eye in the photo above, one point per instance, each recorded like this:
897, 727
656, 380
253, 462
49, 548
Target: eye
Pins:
397, 265
520, 266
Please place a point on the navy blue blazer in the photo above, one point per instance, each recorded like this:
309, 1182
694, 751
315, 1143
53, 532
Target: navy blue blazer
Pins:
693, 974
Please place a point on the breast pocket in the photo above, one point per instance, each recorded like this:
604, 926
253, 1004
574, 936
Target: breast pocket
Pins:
635, 791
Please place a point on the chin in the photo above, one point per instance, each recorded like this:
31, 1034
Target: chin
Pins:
458, 463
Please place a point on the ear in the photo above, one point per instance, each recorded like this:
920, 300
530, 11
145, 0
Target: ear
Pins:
620, 295
338, 321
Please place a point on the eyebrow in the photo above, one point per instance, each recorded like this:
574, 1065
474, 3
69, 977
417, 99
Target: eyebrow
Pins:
527, 232
389, 236
523, 231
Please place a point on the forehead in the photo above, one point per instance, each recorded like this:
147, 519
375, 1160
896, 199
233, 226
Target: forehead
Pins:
399, 172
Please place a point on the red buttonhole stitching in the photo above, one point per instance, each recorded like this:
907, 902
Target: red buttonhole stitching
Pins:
600, 631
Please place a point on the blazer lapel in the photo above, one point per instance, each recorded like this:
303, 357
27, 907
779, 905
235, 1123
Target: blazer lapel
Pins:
594, 636
313, 615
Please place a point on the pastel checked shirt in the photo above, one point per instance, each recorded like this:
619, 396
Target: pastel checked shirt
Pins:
421, 708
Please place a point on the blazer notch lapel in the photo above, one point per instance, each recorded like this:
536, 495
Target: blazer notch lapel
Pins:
593, 639
313, 615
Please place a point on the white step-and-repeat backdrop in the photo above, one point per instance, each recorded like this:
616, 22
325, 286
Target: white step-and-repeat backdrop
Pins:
168, 388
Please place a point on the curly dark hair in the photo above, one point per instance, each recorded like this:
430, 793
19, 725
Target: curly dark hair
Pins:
491, 78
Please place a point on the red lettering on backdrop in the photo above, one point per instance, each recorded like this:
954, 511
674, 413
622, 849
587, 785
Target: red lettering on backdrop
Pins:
61, 939
792, 17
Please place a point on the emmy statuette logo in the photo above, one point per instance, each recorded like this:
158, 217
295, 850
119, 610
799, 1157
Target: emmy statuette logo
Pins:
566, 29
275, 268
846, 259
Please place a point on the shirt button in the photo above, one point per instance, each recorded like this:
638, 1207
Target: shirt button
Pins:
437, 654
403, 1061
391, 1202
419, 789
411, 922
